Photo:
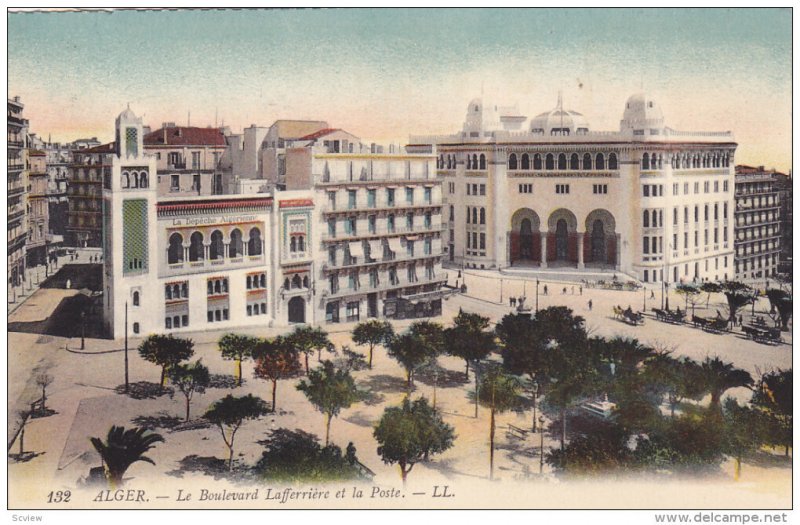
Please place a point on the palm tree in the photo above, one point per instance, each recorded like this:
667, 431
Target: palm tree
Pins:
122, 448
719, 377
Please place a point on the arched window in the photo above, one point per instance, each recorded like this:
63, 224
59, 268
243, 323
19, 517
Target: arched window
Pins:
474, 215
196, 247
537, 162
549, 162
646, 219
286, 284
217, 248
612, 161
512, 161
573, 162
176, 291
254, 244
599, 162
293, 244
483, 216
645, 161
175, 250
263, 280
452, 213
587, 161
135, 179
126, 179
526, 162
562, 161
483, 161
440, 162
301, 243
135, 298
474, 162
305, 282
296, 281
654, 222
168, 292
184, 290
235, 248
143, 180
469, 221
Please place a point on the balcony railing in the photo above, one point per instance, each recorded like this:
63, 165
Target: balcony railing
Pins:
346, 292
176, 165
383, 232
327, 267
398, 206
378, 181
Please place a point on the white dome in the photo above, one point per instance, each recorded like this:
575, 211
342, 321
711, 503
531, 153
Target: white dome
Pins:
127, 115
641, 112
559, 121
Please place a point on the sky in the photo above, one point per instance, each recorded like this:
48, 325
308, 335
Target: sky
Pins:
385, 74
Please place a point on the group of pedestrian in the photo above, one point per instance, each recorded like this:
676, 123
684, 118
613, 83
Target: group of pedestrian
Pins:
512, 301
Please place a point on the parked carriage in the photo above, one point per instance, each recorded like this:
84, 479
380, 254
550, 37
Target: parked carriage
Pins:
762, 334
714, 325
628, 316
670, 316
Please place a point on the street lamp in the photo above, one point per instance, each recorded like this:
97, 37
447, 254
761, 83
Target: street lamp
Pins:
535, 395
541, 446
537, 296
83, 329
126, 347
644, 298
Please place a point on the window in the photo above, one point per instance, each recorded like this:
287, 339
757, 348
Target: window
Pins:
410, 221
428, 195
371, 198
483, 241
254, 244
410, 195
562, 189
390, 196
482, 188
135, 298
526, 188
351, 199
411, 273
612, 161
332, 200
574, 162
646, 244
646, 190
175, 183
526, 162
537, 161
725, 186
428, 220
353, 311
716, 186
410, 248
562, 161
696, 214
512, 161
483, 216
646, 219
371, 224
600, 189
675, 188
390, 223
195, 160
482, 160
332, 228
427, 246
600, 162
135, 328
705, 187
549, 162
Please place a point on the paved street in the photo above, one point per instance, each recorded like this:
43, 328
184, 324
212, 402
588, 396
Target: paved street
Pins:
85, 403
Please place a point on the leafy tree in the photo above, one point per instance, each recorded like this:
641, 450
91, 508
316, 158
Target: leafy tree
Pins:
781, 301
719, 377
411, 351
373, 333
276, 360
306, 340
189, 379
592, 454
710, 287
469, 340
166, 351
122, 448
410, 433
237, 347
679, 379
745, 430
690, 294
44, 380
738, 295
230, 412
329, 390
297, 457
773, 395
431, 333
499, 393
523, 350
347, 359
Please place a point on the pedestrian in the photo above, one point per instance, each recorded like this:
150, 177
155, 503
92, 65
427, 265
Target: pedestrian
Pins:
69, 284
564, 291
590, 305
511, 301
740, 321
545, 289
580, 289
652, 294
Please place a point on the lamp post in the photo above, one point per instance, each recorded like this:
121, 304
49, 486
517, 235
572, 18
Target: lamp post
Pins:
537, 296
126, 347
501, 290
541, 445
535, 395
83, 329
644, 298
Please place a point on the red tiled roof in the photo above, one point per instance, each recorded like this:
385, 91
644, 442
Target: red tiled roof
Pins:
185, 136
104, 148
318, 134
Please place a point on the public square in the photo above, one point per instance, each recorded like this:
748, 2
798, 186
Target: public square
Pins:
86, 404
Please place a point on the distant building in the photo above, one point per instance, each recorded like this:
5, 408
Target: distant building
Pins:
17, 185
38, 209
757, 229
646, 200
783, 183
59, 159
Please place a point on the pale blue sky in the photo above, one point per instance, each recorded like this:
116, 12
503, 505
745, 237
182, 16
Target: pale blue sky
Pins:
384, 74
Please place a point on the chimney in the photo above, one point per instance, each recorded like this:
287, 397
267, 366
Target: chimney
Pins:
165, 134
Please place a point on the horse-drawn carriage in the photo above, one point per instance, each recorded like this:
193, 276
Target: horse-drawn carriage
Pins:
714, 325
763, 334
670, 316
628, 316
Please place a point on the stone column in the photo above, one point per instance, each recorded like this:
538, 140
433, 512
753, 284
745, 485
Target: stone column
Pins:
185, 253
206, 251
227, 250
543, 236
580, 250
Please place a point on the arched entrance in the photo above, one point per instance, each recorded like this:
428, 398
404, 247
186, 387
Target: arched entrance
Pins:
524, 237
562, 237
297, 310
600, 239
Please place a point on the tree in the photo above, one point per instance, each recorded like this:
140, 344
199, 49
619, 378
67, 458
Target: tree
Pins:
237, 347
275, 360
411, 352
499, 393
306, 340
468, 340
745, 430
781, 301
373, 333
738, 295
189, 379
122, 448
44, 380
679, 379
522, 348
710, 287
329, 390
411, 433
690, 294
773, 396
230, 412
296, 457
166, 351
718, 377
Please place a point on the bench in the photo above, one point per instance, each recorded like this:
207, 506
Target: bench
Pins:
516, 432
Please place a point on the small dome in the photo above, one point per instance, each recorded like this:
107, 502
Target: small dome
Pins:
127, 114
559, 122
641, 112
